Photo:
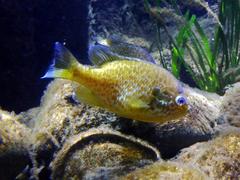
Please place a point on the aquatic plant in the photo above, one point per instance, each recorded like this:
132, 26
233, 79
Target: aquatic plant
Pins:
214, 63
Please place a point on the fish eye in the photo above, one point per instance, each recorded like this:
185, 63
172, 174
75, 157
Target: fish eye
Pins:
180, 100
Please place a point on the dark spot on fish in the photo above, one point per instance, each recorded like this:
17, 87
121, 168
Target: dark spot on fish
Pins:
156, 91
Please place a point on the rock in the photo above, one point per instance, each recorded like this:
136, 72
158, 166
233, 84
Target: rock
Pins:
166, 170
123, 21
105, 149
218, 158
14, 146
231, 107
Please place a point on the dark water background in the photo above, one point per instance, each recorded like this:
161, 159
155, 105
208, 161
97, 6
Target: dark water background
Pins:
28, 30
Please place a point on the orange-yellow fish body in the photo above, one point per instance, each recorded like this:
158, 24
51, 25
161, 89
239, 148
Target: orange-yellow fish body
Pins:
133, 89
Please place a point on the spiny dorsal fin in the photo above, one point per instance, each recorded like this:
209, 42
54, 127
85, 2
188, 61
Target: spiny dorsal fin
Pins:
100, 54
118, 46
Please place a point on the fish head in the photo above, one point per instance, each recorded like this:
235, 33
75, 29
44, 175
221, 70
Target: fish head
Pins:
168, 106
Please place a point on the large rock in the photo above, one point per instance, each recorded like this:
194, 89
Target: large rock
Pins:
219, 158
231, 107
14, 146
101, 153
166, 170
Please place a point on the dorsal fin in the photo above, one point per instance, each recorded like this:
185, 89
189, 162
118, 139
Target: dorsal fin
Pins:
118, 46
100, 54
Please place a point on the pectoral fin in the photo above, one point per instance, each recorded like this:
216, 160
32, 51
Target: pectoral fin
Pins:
137, 103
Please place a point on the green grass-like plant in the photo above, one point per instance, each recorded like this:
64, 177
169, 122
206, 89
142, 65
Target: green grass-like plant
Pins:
216, 62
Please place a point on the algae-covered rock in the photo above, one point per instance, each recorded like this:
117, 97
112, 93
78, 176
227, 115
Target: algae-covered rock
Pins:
231, 105
218, 158
85, 154
14, 146
166, 170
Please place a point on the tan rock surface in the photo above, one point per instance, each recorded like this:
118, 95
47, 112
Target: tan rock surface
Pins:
218, 158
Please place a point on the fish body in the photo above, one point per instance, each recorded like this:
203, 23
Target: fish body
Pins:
133, 89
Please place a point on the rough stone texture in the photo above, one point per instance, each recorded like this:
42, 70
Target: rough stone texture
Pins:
166, 170
126, 18
14, 146
231, 107
218, 158
104, 149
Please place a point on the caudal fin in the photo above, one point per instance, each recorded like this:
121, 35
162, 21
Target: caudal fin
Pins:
63, 63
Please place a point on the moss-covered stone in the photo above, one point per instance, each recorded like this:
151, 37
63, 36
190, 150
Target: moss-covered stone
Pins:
231, 106
218, 158
101, 149
14, 146
166, 170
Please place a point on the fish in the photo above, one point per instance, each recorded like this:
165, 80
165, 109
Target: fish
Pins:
134, 89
